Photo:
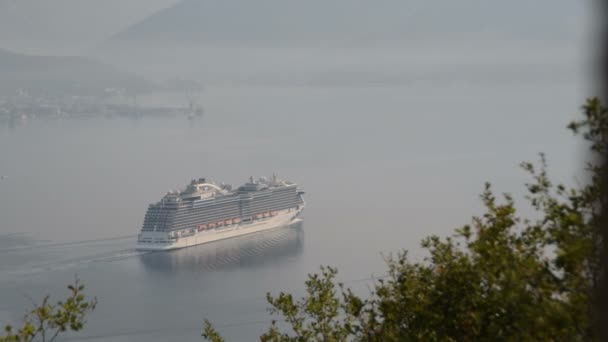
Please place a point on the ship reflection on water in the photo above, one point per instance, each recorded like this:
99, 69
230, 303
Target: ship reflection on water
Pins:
241, 252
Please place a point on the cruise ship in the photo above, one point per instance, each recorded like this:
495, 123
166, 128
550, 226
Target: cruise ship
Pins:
206, 211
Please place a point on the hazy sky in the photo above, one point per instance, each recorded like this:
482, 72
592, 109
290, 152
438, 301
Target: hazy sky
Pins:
545, 40
68, 26
74, 26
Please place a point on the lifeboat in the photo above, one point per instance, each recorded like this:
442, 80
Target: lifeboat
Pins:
211, 225
228, 222
266, 214
220, 223
236, 220
258, 216
274, 213
202, 227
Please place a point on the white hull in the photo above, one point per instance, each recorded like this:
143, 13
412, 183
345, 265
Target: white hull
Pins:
160, 239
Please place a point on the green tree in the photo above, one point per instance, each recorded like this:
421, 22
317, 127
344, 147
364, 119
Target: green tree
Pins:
502, 277
46, 321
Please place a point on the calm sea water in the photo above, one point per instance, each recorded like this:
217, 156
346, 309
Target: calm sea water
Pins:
382, 166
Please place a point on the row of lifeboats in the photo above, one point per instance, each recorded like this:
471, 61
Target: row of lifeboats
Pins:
222, 223
217, 224
266, 214
182, 233
232, 221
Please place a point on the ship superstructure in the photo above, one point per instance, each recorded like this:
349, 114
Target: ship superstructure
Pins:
206, 211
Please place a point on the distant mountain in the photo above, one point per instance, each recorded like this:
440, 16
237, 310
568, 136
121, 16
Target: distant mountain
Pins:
346, 21
344, 41
54, 75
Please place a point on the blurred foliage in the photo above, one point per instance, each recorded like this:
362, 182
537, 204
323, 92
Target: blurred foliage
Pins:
46, 321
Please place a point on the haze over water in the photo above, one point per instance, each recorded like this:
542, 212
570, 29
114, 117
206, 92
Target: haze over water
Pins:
382, 168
